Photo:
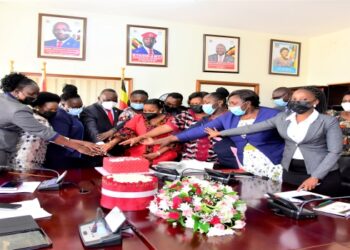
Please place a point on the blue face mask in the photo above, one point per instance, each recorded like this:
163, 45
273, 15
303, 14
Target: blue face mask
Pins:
75, 111
237, 110
280, 102
136, 106
208, 109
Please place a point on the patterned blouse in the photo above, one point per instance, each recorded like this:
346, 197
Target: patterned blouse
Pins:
345, 128
126, 115
200, 149
31, 149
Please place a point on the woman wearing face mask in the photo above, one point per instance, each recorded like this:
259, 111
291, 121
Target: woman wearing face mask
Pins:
180, 122
313, 142
31, 149
259, 153
151, 118
67, 123
20, 91
137, 101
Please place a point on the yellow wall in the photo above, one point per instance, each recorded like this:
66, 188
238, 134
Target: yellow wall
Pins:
106, 52
329, 57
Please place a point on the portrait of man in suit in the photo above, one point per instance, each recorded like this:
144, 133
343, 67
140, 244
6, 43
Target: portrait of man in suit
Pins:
149, 40
63, 38
220, 56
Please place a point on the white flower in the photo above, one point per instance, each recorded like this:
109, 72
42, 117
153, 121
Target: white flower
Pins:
189, 223
163, 205
239, 224
153, 208
175, 194
241, 207
186, 189
217, 231
197, 201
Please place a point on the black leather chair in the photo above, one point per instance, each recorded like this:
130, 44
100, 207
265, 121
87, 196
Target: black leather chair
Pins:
344, 167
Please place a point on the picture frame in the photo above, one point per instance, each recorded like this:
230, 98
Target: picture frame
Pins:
284, 57
147, 46
61, 37
221, 53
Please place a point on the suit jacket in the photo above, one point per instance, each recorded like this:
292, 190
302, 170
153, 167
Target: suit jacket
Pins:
214, 58
321, 147
70, 43
95, 121
268, 142
143, 51
16, 117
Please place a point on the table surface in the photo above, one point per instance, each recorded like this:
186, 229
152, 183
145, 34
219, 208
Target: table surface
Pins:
263, 230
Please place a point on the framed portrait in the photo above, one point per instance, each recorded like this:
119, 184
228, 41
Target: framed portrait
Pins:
284, 57
61, 37
147, 46
221, 54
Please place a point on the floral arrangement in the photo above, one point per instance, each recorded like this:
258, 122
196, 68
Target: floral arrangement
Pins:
206, 206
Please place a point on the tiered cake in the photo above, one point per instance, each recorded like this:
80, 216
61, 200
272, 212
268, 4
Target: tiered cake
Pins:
129, 192
115, 165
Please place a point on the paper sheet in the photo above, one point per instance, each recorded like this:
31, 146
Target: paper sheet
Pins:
26, 187
29, 207
290, 194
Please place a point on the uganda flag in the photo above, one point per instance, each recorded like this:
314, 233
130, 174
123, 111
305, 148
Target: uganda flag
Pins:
123, 101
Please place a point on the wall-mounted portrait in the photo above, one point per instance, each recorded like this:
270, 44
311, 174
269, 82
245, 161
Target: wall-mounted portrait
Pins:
221, 54
61, 37
147, 46
284, 57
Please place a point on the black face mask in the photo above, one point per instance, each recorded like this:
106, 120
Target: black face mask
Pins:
299, 107
150, 116
171, 110
28, 100
48, 114
197, 108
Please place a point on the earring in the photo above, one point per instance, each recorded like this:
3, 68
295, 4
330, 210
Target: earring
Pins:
314, 105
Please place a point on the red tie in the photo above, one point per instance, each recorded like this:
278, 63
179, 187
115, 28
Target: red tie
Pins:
110, 116
59, 44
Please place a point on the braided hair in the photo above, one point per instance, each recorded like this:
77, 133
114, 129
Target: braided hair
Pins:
320, 96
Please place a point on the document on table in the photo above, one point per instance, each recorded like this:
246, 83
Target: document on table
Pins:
26, 187
291, 195
29, 207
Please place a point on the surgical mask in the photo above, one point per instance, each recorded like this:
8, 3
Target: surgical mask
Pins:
75, 111
237, 110
196, 108
49, 114
109, 105
280, 102
208, 109
136, 106
171, 110
28, 100
150, 116
346, 106
299, 107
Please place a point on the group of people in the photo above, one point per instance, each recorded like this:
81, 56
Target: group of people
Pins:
296, 142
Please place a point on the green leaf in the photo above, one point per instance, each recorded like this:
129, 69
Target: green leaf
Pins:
204, 227
196, 223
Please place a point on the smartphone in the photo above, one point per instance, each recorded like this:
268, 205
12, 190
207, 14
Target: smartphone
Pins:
307, 197
11, 185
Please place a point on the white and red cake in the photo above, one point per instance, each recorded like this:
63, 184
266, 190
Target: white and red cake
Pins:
129, 192
116, 165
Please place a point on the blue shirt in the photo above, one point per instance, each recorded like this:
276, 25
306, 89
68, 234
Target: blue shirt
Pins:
268, 142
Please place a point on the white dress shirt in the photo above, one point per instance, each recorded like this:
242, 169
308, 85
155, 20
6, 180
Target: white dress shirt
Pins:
297, 131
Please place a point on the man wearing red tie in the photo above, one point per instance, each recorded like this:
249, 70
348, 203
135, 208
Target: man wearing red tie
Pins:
62, 32
102, 118
149, 39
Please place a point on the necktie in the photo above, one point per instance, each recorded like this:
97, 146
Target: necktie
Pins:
151, 52
110, 116
59, 44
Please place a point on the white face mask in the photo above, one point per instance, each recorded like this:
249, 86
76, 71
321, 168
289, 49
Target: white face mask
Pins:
346, 106
109, 105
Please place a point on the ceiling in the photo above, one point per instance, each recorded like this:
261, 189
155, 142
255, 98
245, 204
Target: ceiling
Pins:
285, 17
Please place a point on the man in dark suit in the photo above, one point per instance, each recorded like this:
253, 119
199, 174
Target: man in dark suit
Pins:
102, 117
149, 39
61, 30
220, 56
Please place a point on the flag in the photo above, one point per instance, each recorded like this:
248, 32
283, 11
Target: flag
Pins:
42, 85
123, 101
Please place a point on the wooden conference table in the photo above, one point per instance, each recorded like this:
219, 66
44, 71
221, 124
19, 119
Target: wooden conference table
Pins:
264, 230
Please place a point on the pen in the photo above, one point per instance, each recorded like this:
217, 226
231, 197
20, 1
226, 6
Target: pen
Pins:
324, 204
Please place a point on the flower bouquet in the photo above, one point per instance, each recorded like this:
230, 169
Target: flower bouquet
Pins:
206, 206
